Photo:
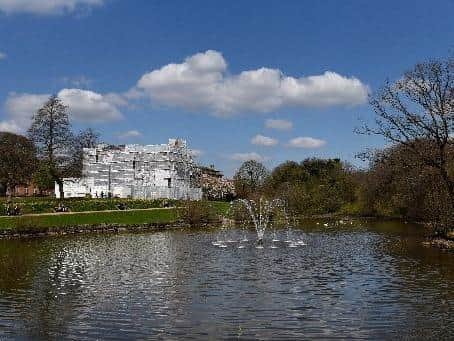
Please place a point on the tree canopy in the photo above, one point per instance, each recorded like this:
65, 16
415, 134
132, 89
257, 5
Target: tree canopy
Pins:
51, 133
249, 178
17, 160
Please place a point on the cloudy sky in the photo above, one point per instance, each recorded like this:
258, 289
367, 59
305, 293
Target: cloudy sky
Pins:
267, 80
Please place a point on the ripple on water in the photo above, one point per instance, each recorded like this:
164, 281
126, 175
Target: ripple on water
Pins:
344, 284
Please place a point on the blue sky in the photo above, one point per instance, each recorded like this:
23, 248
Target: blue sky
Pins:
216, 72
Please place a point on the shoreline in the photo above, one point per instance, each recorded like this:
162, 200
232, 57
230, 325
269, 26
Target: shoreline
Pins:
158, 224
97, 228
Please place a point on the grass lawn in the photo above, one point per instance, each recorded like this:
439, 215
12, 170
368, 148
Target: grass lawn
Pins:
114, 217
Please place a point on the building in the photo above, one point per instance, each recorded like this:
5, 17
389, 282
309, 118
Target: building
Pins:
27, 190
136, 171
211, 172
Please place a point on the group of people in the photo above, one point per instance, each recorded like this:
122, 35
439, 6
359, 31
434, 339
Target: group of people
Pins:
61, 208
122, 206
12, 210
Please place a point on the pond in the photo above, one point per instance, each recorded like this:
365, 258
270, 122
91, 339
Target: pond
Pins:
368, 279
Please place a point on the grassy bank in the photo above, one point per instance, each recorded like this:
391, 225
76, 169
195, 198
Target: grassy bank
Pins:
33, 205
93, 218
47, 205
131, 217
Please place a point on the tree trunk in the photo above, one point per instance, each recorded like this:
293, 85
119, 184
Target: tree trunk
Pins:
10, 189
60, 189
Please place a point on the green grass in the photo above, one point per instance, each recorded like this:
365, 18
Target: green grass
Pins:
29, 205
221, 206
47, 205
114, 217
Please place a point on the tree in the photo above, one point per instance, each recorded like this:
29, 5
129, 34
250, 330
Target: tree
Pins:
249, 178
51, 133
416, 114
17, 160
85, 139
42, 177
399, 183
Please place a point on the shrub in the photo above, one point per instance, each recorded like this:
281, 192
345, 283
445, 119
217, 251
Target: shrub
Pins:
197, 212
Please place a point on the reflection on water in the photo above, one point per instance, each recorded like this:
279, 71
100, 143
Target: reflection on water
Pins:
368, 281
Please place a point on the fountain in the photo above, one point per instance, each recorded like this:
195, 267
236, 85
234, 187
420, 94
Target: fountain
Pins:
264, 215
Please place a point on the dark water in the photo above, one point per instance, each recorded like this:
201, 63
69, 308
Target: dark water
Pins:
369, 280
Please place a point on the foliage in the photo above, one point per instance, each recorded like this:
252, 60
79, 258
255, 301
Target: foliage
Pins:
197, 212
398, 183
250, 178
17, 160
315, 186
415, 177
42, 177
217, 188
416, 113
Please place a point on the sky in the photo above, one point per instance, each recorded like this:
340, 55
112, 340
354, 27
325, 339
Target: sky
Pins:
264, 80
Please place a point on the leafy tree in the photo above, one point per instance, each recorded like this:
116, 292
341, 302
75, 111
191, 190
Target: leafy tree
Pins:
286, 173
399, 183
51, 133
42, 177
314, 186
17, 160
250, 178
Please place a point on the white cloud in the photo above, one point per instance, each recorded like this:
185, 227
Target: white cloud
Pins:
266, 141
306, 142
46, 6
248, 156
202, 82
84, 106
20, 109
130, 134
278, 124
89, 106
3, 55
10, 126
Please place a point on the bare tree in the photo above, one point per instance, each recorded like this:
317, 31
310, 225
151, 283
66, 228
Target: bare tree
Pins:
417, 112
51, 133
85, 139
17, 160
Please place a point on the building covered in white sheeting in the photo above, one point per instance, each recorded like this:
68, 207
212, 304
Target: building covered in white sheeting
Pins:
137, 171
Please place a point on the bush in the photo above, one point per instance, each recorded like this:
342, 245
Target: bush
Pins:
197, 212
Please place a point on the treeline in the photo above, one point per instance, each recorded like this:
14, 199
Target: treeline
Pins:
396, 184
311, 187
49, 152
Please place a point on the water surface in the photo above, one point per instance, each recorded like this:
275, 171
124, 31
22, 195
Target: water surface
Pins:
366, 280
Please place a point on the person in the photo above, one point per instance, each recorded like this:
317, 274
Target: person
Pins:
8, 209
102, 194
61, 208
122, 206
16, 210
